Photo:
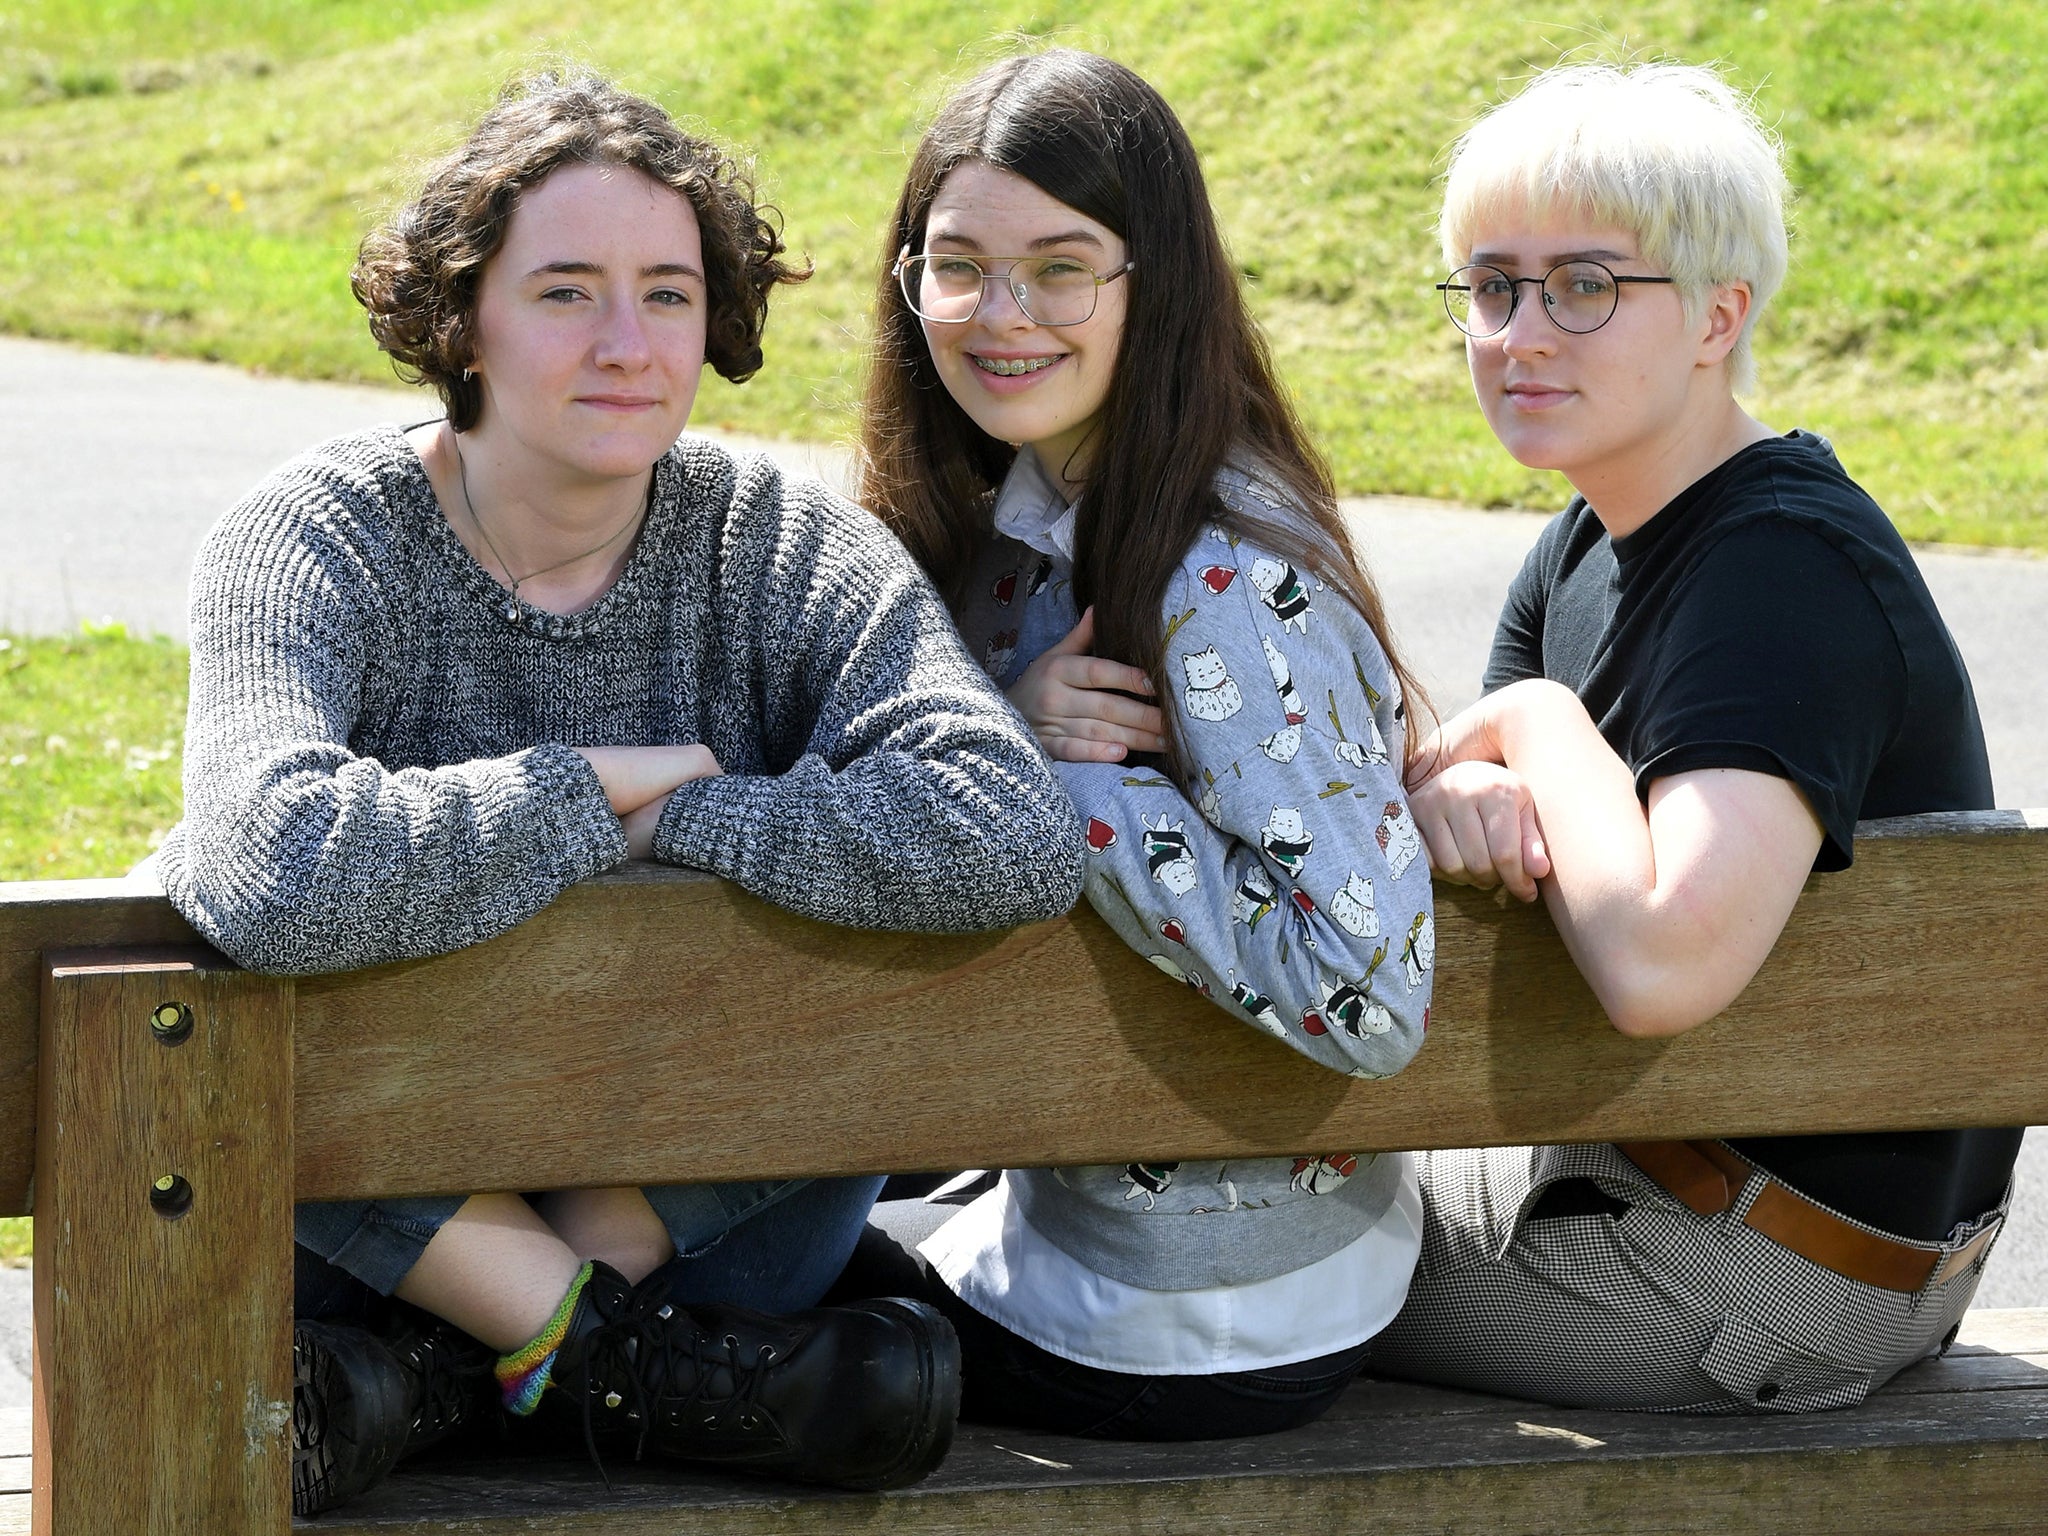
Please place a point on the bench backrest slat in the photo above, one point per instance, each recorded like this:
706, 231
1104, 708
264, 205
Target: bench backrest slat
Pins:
55, 914
658, 1026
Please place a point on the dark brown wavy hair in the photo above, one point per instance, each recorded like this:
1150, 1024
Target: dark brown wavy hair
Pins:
417, 275
1193, 387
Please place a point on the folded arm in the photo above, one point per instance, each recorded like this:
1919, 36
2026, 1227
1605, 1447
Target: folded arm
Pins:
906, 793
1287, 884
1668, 908
298, 854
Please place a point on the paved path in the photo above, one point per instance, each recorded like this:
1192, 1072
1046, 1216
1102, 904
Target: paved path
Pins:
111, 468
14, 1352
114, 467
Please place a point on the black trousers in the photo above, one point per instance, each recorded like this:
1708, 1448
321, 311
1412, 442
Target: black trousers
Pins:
1009, 1380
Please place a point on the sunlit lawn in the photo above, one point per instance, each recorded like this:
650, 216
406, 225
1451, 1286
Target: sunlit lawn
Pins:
91, 731
92, 728
192, 178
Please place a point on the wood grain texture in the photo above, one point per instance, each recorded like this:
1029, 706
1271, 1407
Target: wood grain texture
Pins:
54, 914
1371, 1458
658, 1026
162, 1382
677, 1029
1995, 1489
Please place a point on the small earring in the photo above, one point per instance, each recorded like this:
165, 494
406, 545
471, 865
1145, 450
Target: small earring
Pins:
467, 375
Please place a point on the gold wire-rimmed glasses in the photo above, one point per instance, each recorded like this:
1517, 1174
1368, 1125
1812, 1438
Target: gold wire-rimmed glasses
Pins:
947, 288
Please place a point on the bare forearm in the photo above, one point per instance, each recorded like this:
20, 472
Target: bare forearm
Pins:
1602, 888
1667, 911
1584, 794
634, 777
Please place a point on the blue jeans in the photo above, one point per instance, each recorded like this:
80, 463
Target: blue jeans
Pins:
772, 1246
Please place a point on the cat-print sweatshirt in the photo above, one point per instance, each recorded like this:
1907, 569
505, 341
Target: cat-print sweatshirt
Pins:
1285, 882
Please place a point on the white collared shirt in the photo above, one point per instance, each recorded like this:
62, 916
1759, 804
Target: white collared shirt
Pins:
989, 1256
1031, 510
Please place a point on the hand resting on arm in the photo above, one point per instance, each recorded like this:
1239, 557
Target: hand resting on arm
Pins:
1077, 706
1668, 909
1478, 825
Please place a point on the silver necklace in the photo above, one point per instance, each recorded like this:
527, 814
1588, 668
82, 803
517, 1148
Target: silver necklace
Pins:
510, 612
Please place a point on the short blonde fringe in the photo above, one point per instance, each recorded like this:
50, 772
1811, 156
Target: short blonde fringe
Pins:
1669, 152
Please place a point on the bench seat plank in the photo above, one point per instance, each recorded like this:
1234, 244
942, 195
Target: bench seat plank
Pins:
1391, 1457
1966, 1436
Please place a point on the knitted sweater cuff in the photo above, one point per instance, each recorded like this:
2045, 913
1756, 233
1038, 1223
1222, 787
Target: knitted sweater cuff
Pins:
706, 825
569, 793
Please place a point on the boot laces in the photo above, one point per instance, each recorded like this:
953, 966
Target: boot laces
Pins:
657, 1358
445, 1389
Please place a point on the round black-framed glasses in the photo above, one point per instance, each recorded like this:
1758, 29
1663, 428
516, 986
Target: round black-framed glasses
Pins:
948, 288
1579, 296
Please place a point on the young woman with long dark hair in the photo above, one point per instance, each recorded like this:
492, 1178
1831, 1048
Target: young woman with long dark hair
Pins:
1074, 424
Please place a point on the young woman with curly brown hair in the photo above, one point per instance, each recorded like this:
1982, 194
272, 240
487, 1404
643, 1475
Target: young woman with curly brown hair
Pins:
441, 673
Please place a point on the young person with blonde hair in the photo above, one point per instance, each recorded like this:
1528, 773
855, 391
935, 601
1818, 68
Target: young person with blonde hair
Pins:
1714, 662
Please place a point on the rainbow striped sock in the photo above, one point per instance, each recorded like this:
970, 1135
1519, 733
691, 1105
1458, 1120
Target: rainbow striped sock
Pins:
523, 1375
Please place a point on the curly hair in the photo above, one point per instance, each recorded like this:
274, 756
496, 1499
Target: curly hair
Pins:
417, 275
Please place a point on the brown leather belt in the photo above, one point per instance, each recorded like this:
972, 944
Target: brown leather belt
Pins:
1706, 1176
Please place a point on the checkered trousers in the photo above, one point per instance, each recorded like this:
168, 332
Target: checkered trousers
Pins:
1657, 1308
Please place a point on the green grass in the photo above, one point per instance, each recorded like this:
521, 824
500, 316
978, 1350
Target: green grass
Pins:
192, 178
92, 729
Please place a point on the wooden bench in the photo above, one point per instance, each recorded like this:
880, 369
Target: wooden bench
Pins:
166, 1109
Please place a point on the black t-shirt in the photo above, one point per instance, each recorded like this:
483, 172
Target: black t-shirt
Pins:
1770, 618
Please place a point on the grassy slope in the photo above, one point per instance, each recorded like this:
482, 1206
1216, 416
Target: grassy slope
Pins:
91, 736
192, 178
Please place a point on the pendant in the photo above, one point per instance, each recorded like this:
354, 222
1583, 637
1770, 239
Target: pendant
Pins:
511, 610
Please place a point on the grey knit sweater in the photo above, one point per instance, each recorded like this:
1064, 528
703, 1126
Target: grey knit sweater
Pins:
378, 763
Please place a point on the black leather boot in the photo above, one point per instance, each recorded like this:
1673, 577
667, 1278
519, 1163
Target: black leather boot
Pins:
363, 1398
861, 1396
